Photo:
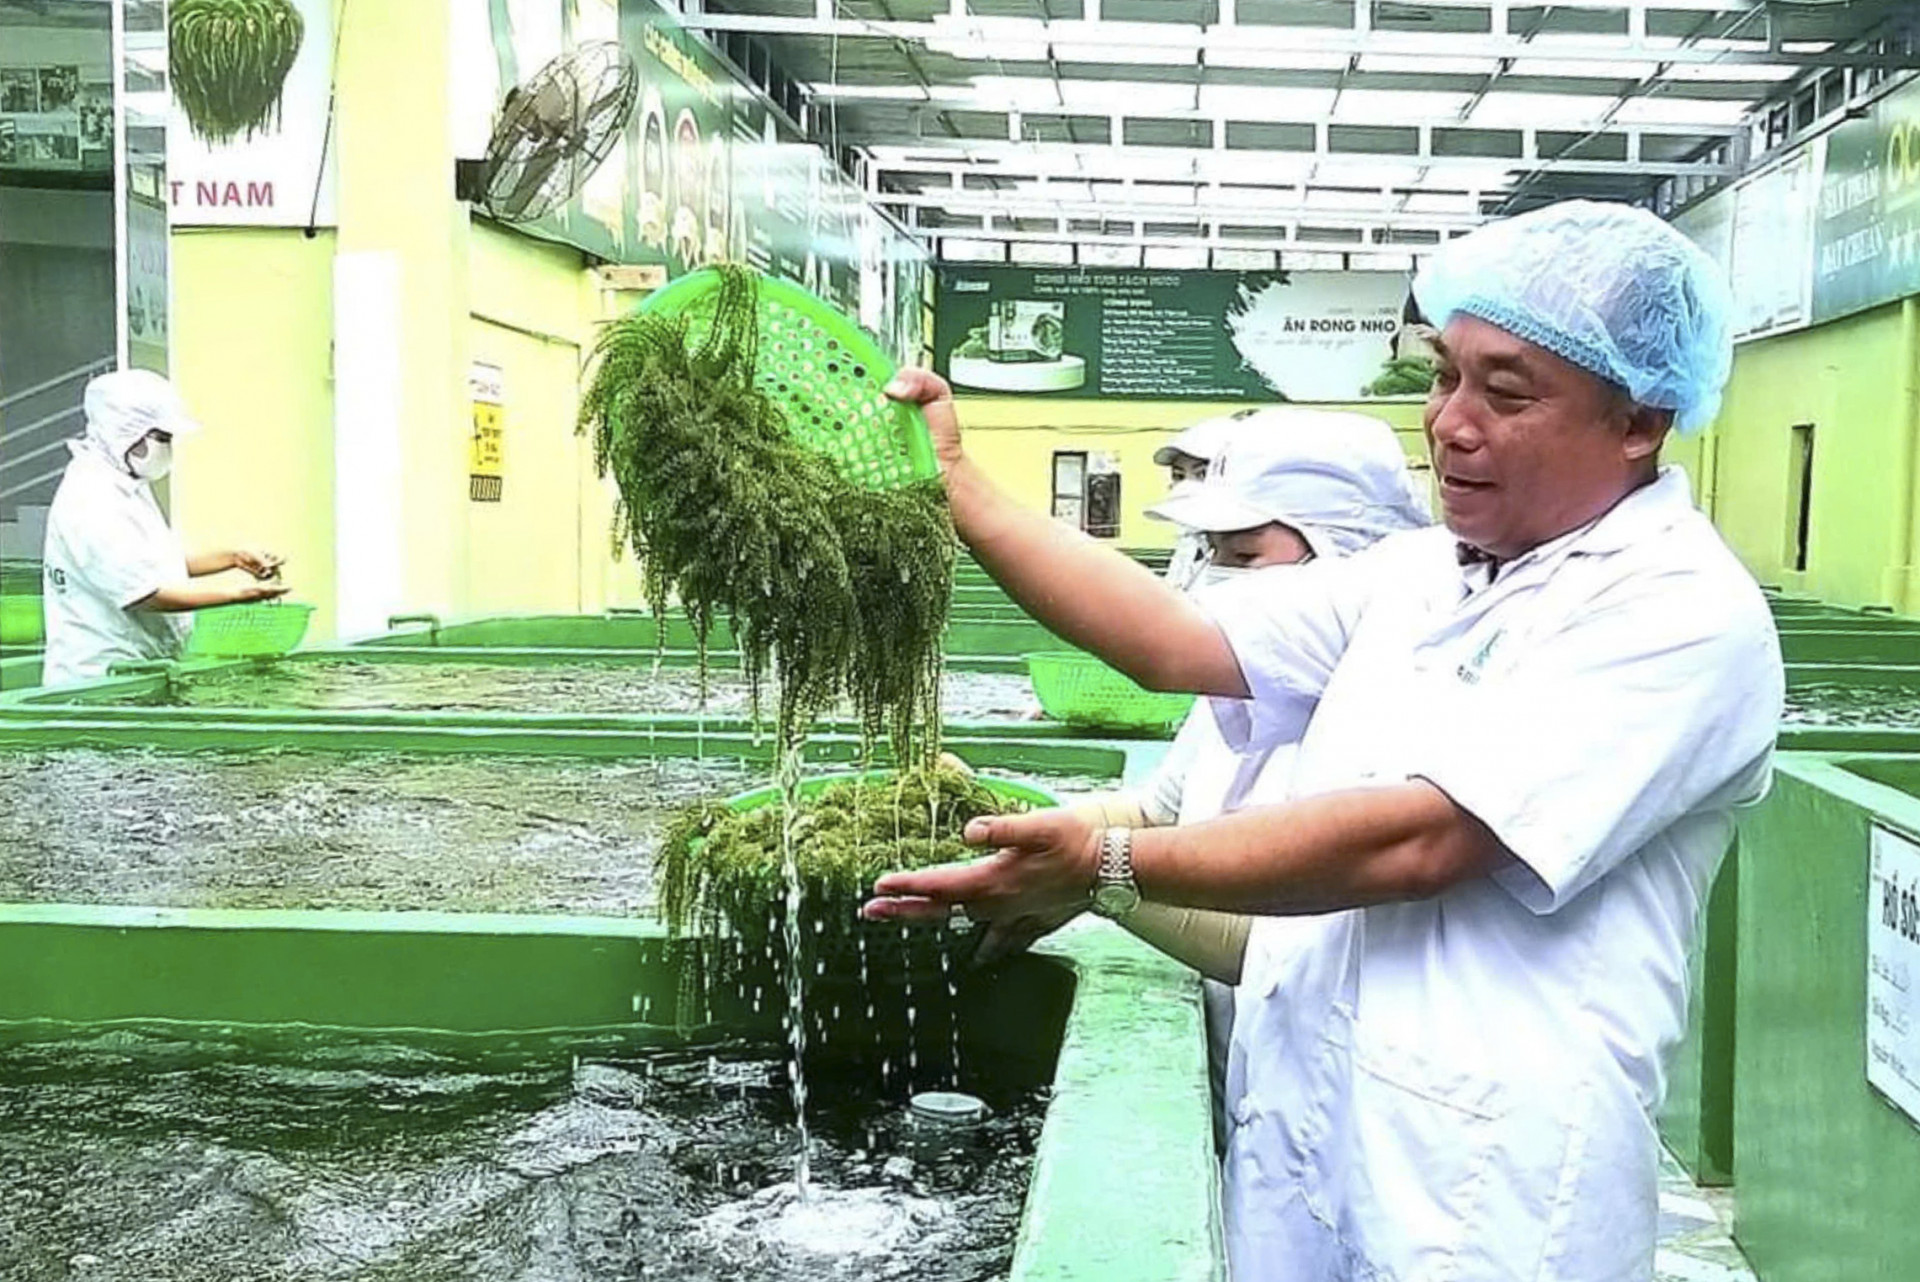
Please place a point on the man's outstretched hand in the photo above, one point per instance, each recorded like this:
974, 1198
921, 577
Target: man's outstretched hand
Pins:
1042, 868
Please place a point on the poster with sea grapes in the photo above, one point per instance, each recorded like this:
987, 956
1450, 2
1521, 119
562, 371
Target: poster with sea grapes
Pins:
247, 134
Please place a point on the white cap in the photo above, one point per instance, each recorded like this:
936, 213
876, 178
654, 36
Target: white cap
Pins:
1202, 441
1339, 479
125, 406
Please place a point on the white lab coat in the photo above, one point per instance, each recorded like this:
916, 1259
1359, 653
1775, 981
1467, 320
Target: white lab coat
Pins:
1201, 778
1462, 1089
108, 547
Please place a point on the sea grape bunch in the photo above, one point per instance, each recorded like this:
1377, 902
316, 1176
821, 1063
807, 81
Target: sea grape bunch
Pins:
836, 591
229, 60
721, 866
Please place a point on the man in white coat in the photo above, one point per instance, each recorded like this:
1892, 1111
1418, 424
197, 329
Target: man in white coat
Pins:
1522, 741
119, 585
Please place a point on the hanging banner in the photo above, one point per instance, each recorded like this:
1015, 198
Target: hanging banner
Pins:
1772, 245
1187, 335
704, 172
1709, 225
269, 174
1867, 232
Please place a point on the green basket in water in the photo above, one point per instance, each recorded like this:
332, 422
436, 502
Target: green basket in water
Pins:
1080, 690
1004, 789
22, 620
853, 956
258, 629
826, 373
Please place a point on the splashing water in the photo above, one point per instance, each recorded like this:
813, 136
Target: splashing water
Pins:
789, 781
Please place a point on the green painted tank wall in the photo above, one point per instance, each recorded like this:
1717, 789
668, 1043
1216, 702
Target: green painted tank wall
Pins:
1826, 1170
1854, 381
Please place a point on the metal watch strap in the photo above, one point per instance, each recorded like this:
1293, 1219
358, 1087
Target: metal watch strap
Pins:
1116, 857
1115, 893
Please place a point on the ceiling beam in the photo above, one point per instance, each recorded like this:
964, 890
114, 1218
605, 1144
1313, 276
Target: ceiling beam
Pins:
1009, 235
986, 204
1094, 160
938, 100
1632, 6
1141, 193
999, 40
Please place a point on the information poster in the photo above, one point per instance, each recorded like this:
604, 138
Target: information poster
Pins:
1197, 335
56, 110
1867, 229
486, 446
1893, 970
1709, 225
1772, 245
279, 175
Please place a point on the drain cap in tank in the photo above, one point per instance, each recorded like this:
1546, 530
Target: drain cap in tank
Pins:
948, 1108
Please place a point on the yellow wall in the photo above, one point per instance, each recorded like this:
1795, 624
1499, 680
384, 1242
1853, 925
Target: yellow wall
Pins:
1014, 438
1846, 378
252, 328
527, 317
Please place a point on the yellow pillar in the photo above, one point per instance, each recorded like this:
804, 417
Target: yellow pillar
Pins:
400, 302
1902, 589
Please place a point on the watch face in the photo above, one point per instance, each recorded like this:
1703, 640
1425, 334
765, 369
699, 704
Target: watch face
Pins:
1115, 899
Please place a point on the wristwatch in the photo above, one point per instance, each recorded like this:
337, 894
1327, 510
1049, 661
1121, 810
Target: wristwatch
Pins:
1115, 893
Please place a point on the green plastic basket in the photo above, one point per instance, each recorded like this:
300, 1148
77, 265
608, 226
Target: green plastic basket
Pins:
22, 620
258, 629
1004, 789
855, 958
826, 373
1080, 690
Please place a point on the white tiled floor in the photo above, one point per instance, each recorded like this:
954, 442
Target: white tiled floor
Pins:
1696, 1241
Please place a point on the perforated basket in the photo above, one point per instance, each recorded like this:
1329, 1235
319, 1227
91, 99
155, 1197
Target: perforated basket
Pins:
1004, 789
845, 947
826, 373
1080, 690
258, 629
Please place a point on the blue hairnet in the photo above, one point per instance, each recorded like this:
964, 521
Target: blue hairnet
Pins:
1610, 288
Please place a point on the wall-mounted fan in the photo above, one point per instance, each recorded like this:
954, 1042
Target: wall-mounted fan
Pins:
554, 130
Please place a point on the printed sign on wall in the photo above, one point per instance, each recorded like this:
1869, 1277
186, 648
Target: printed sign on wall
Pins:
1773, 245
1867, 233
249, 154
58, 116
1195, 335
486, 452
1893, 970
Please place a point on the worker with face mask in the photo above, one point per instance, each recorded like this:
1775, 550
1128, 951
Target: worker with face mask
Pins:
119, 586
1187, 458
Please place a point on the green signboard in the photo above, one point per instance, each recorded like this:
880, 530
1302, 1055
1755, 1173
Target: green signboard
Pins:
706, 173
1189, 335
1867, 229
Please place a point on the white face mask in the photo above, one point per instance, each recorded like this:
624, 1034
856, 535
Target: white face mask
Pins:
154, 462
1214, 575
